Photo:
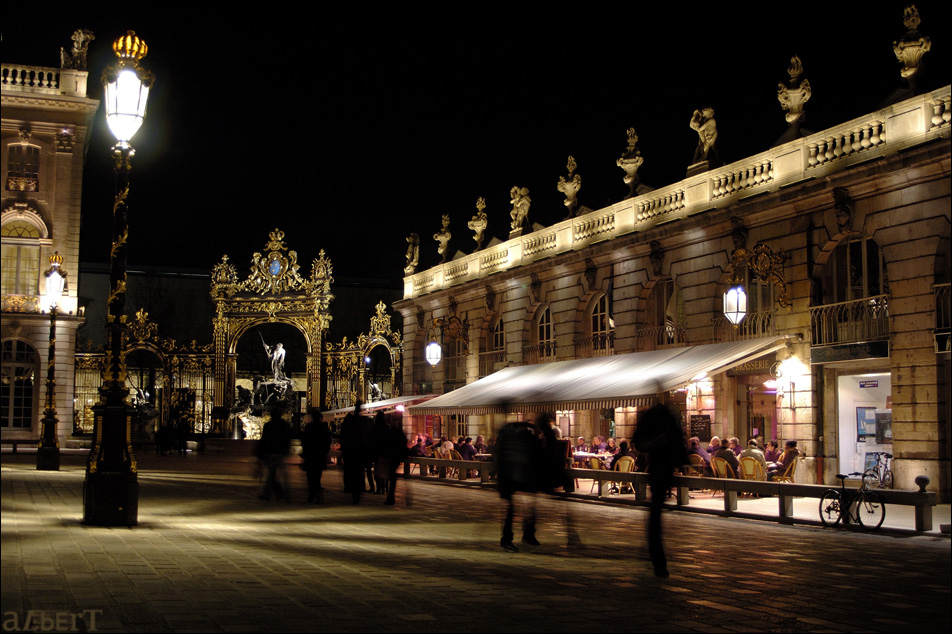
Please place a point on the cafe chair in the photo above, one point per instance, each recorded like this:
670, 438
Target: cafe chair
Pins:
625, 464
751, 469
696, 465
596, 464
787, 475
453, 472
722, 469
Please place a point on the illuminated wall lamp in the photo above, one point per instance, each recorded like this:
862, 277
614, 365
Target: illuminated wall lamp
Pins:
434, 353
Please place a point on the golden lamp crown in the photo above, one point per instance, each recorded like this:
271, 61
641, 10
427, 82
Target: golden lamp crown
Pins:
128, 48
56, 259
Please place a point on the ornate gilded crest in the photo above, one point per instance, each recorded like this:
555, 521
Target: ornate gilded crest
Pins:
274, 272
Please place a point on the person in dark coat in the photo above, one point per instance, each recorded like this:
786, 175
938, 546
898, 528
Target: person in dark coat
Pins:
354, 452
273, 449
381, 452
398, 454
517, 454
315, 445
659, 435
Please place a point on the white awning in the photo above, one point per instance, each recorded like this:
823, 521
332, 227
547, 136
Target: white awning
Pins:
384, 404
622, 380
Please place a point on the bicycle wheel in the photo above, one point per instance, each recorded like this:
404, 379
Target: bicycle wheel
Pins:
887, 479
870, 479
870, 510
830, 508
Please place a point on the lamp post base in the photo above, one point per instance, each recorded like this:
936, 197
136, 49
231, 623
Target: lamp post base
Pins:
111, 499
48, 459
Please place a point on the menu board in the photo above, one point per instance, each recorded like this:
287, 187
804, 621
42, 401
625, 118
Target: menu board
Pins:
701, 426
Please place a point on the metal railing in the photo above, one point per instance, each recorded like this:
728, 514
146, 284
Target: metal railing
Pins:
538, 353
493, 361
598, 345
855, 321
759, 324
659, 337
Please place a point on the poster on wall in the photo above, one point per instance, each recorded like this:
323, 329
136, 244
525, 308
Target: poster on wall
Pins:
884, 426
865, 423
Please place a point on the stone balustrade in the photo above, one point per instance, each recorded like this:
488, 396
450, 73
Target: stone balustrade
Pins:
883, 133
43, 80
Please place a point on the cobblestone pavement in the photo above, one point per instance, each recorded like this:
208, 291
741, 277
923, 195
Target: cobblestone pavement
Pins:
208, 556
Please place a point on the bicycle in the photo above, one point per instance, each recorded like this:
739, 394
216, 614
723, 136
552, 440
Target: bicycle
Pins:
858, 505
879, 475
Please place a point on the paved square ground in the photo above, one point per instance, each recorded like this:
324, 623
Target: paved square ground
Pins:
208, 556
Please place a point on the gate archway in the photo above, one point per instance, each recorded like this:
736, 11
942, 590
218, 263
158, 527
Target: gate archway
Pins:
274, 292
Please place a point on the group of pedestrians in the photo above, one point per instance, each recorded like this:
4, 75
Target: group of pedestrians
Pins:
529, 457
372, 451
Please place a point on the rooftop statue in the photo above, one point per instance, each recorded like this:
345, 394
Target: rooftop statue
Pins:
443, 237
519, 197
911, 47
76, 58
794, 97
630, 161
703, 123
570, 187
413, 254
479, 222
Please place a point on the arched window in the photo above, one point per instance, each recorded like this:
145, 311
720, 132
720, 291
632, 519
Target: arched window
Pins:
20, 257
600, 338
18, 392
665, 314
855, 271
854, 294
499, 337
23, 167
545, 337
493, 358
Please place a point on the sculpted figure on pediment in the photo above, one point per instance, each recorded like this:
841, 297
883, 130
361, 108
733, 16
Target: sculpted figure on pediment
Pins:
413, 254
911, 47
570, 186
794, 97
704, 124
479, 222
630, 161
76, 58
443, 237
519, 197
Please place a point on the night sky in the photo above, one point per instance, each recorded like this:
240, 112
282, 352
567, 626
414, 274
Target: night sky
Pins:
349, 132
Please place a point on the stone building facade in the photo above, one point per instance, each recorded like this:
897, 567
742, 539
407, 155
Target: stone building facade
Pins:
842, 241
45, 129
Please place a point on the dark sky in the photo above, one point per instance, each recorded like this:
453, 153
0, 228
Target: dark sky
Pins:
349, 132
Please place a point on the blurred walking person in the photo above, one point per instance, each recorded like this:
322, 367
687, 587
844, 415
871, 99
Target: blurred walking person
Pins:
315, 445
659, 435
354, 431
273, 449
518, 455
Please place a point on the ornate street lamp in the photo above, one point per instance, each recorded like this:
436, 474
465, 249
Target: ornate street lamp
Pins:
735, 302
48, 451
111, 490
434, 353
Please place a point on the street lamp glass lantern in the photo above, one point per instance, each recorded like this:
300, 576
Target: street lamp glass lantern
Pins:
125, 98
735, 304
126, 87
55, 283
434, 352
